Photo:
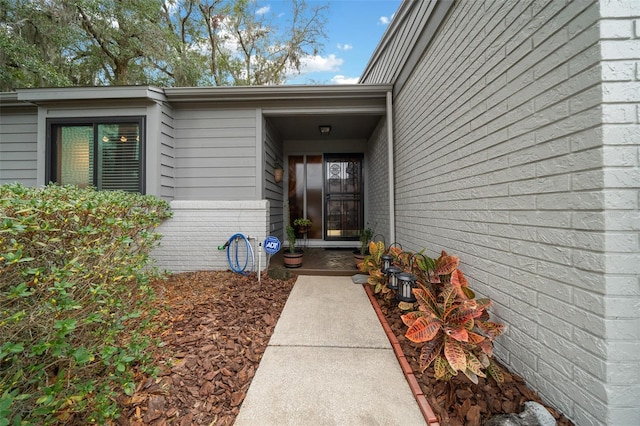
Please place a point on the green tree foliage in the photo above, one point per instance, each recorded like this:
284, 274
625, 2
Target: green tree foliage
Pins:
160, 42
31, 34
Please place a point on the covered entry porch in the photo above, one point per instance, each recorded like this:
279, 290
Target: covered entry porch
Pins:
335, 149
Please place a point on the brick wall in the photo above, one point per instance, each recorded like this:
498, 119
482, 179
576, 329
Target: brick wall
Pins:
377, 182
500, 159
620, 49
191, 238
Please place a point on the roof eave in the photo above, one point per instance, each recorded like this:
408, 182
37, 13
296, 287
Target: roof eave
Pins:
264, 93
58, 94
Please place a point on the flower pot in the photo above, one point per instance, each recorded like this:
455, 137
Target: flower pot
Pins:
293, 260
303, 229
277, 175
358, 257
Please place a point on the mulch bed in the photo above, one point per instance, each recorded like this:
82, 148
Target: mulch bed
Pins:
460, 402
215, 327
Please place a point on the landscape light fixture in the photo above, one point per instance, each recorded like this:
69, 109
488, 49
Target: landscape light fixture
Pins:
406, 283
386, 262
325, 129
392, 277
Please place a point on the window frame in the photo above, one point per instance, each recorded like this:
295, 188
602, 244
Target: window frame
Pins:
51, 167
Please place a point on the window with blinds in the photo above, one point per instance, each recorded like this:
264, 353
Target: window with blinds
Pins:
99, 153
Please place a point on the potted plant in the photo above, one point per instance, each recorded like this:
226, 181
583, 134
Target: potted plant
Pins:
293, 255
278, 171
302, 224
366, 234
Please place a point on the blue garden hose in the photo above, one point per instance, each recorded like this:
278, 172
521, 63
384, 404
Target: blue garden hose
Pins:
233, 254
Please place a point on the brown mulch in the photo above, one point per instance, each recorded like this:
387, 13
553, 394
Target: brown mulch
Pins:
215, 327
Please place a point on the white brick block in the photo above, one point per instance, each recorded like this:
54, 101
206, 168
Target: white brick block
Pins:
557, 394
542, 219
623, 329
621, 91
624, 351
622, 243
620, 134
588, 260
624, 396
619, 8
622, 220
592, 302
622, 307
616, 29
590, 384
622, 285
541, 184
618, 70
619, 113
592, 221
620, 156
592, 179
622, 177
572, 314
588, 410
621, 373
573, 200
623, 263
559, 326
625, 416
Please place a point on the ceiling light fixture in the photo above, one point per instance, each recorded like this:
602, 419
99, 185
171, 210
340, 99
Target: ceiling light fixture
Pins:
324, 129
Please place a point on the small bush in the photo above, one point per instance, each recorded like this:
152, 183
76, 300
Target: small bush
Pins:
279, 273
74, 268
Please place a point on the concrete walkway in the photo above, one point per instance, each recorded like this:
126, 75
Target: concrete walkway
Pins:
329, 362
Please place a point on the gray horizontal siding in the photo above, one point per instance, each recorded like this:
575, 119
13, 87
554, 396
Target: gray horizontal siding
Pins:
215, 154
274, 192
167, 153
18, 146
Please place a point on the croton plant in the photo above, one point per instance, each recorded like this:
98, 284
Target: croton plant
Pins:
453, 325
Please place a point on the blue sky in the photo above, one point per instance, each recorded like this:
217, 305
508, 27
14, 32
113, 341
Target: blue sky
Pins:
354, 28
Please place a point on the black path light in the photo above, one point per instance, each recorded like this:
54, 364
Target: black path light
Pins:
386, 262
407, 282
392, 276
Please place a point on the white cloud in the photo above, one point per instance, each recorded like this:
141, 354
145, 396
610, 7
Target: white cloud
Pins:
384, 20
345, 46
263, 10
319, 63
341, 79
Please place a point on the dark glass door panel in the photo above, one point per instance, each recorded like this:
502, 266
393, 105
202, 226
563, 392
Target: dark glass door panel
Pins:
305, 191
343, 196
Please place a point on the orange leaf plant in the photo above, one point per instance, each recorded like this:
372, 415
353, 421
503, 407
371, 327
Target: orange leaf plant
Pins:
372, 265
453, 325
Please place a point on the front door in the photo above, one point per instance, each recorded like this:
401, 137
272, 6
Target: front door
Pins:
343, 196
328, 190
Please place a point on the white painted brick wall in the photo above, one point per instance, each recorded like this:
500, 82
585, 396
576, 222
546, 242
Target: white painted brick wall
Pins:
620, 45
191, 237
518, 150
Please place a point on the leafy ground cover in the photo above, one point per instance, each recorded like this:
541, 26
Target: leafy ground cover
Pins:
215, 328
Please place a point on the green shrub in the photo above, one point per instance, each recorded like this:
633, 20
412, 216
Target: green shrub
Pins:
74, 269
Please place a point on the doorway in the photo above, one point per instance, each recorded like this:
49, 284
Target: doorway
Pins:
328, 190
